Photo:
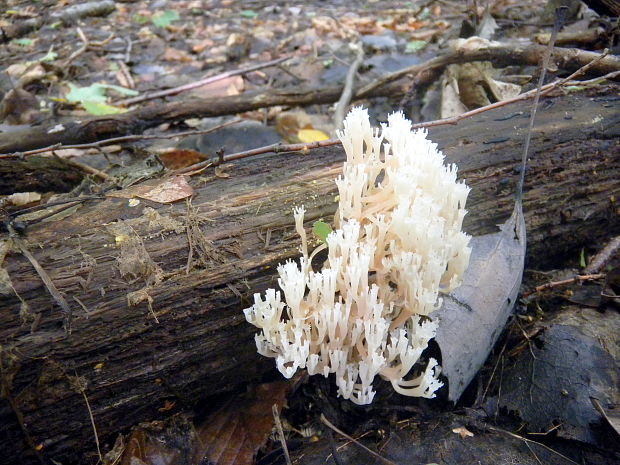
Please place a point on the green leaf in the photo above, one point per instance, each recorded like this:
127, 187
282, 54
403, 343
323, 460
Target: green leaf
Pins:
424, 14
249, 14
24, 42
165, 18
50, 56
321, 230
574, 88
120, 90
582, 258
95, 92
99, 109
140, 19
415, 46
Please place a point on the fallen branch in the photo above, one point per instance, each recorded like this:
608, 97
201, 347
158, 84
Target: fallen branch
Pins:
330, 425
347, 92
246, 233
564, 58
601, 258
138, 120
304, 147
194, 85
116, 140
49, 284
564, 282
86, 45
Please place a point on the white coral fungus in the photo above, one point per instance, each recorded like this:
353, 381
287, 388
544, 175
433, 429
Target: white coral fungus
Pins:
398, 243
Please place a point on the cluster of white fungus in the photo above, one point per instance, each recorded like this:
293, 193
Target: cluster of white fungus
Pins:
397, 244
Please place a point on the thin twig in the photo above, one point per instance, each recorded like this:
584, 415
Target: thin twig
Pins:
545, 90
333, 448
49, 284
603, 256
6, 393
276, 417
83, 167
564, 282
597, 80
82, 390
499, 358
194, 85
347, 91
533, 453
560, 15
114, 140
526, 440
327, 423
86, 44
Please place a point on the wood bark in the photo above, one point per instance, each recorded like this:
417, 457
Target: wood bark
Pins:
136, 121
37, 174
197, 266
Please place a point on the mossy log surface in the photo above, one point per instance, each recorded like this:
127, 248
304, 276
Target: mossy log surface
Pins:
109, 260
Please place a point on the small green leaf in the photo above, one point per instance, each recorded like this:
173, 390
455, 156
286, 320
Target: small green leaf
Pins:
574, 88
424, 14
95, 92
321, 230
92, 93
140, 19
582, 258
415, 46
99, 109
50, 56
120, 90
165, 18
249, 14
24, 42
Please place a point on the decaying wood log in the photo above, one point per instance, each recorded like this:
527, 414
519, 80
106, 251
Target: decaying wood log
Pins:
37, 174
136, 121
157, 290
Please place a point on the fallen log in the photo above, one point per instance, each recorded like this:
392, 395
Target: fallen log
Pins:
156, 291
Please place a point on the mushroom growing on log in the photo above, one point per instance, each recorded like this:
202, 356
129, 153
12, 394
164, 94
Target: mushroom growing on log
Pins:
157, 291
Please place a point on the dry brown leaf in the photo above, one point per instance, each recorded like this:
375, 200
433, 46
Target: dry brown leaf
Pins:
174, 159
20, 199
174, 54
230, 86
165, 190
202, 45
220, 173
170, 190
19, 107
143, 448
463, 432
233, 434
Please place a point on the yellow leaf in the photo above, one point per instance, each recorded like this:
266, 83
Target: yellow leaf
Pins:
311, 135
